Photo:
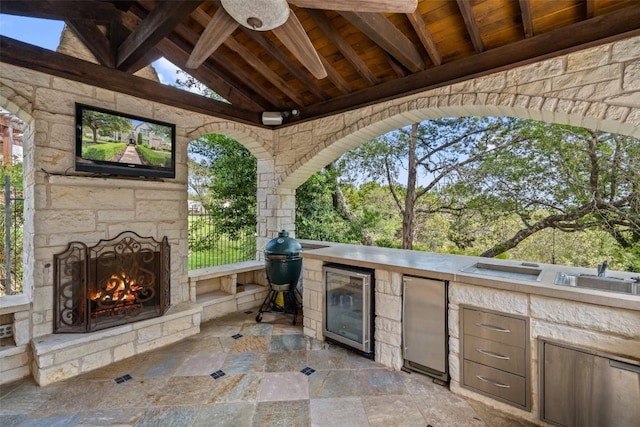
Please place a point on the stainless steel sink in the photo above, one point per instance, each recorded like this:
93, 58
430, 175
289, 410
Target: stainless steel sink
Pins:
609, 284
524, 271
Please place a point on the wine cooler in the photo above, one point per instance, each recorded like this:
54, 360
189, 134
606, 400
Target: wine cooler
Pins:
349, 311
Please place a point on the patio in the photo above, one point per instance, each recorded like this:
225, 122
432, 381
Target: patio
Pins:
262, 385
580, 68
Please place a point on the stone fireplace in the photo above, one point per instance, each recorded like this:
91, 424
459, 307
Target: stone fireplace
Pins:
117, 281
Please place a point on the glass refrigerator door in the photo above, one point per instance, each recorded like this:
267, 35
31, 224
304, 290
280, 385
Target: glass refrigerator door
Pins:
345, 304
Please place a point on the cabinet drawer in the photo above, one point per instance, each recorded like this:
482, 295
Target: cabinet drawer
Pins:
502, 356
495, 327
495, 382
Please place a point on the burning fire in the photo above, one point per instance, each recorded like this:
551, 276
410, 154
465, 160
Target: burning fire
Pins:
118, 288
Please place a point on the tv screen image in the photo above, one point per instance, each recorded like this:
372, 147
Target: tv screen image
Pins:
113, 143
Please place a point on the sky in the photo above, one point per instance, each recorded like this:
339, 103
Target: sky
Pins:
46, 33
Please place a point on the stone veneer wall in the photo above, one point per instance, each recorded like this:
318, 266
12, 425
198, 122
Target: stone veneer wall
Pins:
62, 206
611, 330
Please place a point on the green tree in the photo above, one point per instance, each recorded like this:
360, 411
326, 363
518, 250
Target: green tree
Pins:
95, 121
15, 174
233, 186
565, 178
329, 210
437, 151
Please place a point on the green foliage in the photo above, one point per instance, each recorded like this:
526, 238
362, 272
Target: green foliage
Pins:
153, 157
316, 219
102, 122
104, 151
232, 191
483, 181
15, 174
208, 247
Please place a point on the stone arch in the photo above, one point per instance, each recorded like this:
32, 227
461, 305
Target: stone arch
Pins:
595, 115
17, 104
596, 88
259, 144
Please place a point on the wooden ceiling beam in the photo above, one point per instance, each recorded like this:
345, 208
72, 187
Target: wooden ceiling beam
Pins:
153, 28
343, 46
335, 77
263, 69
312, 85
95, 41
229, 90
607, 28
397, 68
204, 19
56, 64
417, 22
379, 29
62, 10
222, 67
590, 8
472, 25
396, 6
527, 19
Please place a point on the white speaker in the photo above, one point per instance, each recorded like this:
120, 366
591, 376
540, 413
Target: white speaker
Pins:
271, 118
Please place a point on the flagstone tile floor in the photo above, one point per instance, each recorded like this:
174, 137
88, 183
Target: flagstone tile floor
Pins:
237, 372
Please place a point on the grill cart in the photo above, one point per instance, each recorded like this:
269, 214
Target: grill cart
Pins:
283, 265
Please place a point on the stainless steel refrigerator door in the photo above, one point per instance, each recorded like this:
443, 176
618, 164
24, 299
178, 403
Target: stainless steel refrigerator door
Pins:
424, 330
348, 308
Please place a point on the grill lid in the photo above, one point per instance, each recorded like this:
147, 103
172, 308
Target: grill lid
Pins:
283, 245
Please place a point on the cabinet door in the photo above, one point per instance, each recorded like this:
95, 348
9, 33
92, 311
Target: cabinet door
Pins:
424, 323
582, 389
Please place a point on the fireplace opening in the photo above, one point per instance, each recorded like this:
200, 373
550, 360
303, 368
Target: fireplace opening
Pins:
117, 281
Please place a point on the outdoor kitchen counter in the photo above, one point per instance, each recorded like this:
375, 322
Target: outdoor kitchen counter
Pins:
448, 267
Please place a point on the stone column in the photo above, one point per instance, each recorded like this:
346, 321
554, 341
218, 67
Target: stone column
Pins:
275, 206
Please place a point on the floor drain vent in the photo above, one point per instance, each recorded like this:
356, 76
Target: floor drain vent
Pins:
308, 371
123, 378
236, 336
248, 312
217, 374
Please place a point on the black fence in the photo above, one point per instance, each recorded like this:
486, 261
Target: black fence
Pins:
208, 246
11, 238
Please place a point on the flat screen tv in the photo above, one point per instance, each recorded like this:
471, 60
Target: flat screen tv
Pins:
112, 143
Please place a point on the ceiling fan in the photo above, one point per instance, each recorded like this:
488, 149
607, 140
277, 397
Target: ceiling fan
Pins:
275, 15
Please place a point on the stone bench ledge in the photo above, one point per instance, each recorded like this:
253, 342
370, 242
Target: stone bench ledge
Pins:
225, 270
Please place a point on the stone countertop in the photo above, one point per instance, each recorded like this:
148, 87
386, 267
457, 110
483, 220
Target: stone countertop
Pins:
448, 267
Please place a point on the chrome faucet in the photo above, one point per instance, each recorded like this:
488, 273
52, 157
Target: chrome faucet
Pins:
602, 268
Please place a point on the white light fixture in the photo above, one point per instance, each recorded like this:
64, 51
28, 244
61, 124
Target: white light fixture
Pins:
272, 118
260, 15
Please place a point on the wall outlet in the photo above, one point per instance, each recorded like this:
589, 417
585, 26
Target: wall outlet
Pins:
6, 331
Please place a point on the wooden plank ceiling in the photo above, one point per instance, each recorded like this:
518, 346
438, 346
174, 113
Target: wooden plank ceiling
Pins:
366, 56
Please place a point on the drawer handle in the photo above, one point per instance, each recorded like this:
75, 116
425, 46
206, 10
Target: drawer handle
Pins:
494, 328
492, 354
481, 378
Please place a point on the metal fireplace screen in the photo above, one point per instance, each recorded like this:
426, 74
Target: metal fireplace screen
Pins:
117, 281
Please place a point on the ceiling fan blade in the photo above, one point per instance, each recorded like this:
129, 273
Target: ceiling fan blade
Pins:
380, 6
217, 31
293, 35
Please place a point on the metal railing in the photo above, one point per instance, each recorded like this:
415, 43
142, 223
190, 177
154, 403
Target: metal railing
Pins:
209, 247
11, 242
